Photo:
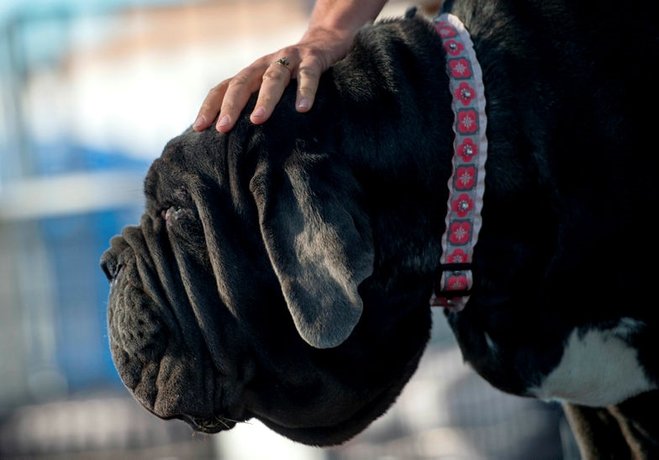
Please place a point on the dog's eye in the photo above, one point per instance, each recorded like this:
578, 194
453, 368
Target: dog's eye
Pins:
182, 194
183, 227
172, 213
179, 218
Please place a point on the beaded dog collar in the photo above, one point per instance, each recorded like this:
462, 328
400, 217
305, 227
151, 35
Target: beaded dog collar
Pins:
467, 182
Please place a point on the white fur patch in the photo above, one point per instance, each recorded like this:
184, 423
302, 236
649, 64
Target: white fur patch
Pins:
597, 368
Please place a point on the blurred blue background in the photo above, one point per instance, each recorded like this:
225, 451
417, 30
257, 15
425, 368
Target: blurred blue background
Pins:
90, 92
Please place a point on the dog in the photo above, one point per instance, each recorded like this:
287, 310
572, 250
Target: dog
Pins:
282, 272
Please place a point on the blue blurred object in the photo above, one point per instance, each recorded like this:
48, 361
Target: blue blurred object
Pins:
55, 295
74, 244
39, 7
59, 293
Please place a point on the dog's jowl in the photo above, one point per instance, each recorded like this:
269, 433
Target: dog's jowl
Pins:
283, 272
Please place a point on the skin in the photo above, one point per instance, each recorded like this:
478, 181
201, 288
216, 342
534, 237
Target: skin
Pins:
329, 35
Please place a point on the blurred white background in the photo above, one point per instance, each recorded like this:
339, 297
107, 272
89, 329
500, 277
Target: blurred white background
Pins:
90, 92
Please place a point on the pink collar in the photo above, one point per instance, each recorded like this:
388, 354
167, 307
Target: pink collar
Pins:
467, 182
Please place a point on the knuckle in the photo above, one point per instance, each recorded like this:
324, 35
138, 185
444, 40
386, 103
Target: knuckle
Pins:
228, 107
252, 69
275, 75
310, 73
241, 79
206, 107
214, 90
266, 99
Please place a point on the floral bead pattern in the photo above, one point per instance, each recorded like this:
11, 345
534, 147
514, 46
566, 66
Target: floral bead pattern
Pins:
466, 184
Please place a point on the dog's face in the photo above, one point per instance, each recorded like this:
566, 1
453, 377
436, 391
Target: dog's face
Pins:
249, 289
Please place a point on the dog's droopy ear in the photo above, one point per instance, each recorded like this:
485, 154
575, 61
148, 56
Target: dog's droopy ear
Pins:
318, 241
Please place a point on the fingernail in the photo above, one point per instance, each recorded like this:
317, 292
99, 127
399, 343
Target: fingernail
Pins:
258, 112
303, 104
199, 122
224, 121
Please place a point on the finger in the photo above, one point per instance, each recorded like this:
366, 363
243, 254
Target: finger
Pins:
308, 77
210, 107
237, 94
275, 79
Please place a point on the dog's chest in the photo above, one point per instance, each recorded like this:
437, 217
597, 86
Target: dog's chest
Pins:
598, 368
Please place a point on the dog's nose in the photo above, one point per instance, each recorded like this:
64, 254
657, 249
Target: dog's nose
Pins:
109, 265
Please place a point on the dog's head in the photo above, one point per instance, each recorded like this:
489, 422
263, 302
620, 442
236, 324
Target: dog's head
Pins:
253, 287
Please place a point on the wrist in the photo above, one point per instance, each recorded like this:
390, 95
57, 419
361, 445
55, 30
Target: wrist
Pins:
343, 18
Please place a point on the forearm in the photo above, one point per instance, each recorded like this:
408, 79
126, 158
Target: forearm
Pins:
343, 17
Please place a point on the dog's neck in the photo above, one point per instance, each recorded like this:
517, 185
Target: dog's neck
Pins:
397, 134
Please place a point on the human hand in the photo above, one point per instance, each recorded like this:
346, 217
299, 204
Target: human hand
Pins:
270, 74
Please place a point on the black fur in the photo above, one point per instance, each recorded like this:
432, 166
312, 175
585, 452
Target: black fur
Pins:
283, 271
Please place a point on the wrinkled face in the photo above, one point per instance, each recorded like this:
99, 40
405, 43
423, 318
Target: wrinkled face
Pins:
250, 289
